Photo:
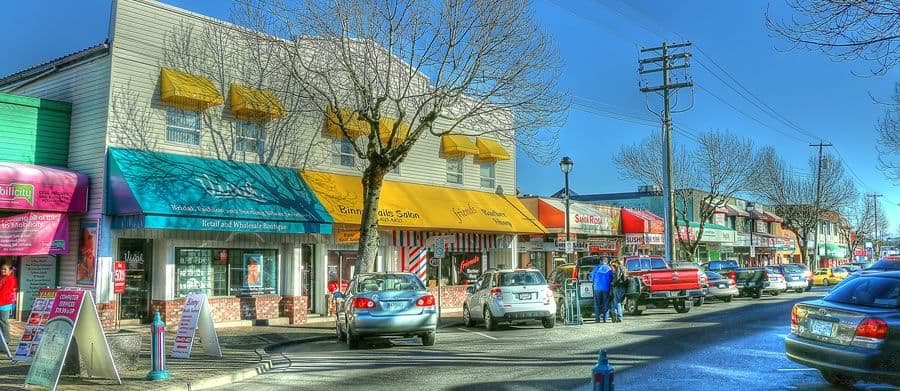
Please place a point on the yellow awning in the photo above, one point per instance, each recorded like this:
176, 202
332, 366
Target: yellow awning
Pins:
423, 207
187, 91
356, 127
457, 145
490, 150
254, 104
386, 126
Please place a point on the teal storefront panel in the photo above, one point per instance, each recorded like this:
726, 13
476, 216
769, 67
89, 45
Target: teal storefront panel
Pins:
167, 191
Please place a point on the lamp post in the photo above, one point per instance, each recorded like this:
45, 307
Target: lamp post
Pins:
566, 165
751, 207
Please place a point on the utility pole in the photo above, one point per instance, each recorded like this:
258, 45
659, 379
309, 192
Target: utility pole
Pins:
667, 63
875, 216
815, 264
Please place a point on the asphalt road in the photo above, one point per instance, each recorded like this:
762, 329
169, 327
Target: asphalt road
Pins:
721, 346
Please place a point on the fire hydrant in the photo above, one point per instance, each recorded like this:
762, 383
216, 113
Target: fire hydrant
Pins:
158, 350
602, 375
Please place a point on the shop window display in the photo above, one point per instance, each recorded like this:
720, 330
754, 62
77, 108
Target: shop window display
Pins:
457, 269
224, 272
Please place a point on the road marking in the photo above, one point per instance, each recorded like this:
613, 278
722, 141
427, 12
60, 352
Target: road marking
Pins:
796, 369
476, 333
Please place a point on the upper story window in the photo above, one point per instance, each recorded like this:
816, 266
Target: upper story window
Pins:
488, 179
342, 153
182, 126
731, 222
455, 170
396, 170
249, 137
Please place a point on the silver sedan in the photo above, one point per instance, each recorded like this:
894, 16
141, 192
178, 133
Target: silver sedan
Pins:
720, 287
385, 305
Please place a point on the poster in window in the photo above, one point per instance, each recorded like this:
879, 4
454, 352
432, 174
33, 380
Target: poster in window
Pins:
253, 269
87, 254
469, 269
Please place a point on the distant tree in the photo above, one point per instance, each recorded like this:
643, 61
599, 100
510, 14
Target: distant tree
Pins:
888, 145
861, 219
705, 176
845, 29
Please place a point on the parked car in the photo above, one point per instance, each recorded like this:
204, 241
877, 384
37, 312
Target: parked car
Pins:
851, 334
704, 283
509, 295
777, 282
385, 304
794, 275
722, 267
829, 276
851, 268
756, 281
885, 264
720, 287
662, 285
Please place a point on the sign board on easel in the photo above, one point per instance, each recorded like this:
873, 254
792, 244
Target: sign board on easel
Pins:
5, 346
72, 315
196, 314
35, 325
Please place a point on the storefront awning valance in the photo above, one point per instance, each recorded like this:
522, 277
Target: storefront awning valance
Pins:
423, 207
187, 91
386, 127
254, 104
637, 221
584, 219
490, 150
712, 233
355, 126
166, 191
457, 145
39, 188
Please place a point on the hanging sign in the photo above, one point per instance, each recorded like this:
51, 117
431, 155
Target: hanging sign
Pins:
35, 325
119, 277
196, 313
73, 314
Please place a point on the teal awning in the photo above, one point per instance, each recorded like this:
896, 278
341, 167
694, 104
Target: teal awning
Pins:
166, 191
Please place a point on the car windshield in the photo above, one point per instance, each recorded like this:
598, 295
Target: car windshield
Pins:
873, 291
719, 265
389, 282
522, 278
714, 276
793, 269
885, 264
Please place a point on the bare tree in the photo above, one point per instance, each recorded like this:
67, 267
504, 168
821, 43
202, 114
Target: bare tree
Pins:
861, 220
845, 30
889, 139
704, 177
793, 197
473, 67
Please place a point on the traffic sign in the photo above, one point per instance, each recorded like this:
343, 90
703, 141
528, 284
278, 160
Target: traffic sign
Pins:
570, 247
434, 262
439, 247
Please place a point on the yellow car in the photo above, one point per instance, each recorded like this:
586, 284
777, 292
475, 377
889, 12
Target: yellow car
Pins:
829, 276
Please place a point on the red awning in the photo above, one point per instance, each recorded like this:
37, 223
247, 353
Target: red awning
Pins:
766, 216
637, 221
731, 210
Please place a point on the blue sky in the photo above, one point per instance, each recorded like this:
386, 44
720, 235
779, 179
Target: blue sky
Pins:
599, 43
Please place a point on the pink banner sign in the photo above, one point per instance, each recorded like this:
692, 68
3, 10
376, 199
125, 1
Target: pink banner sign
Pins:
34, 233
67, 304
30, 187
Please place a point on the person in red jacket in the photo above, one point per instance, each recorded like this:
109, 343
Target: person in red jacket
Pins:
8, 289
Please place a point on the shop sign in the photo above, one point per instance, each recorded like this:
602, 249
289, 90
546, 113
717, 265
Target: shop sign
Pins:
34, 233
860, 252
85, 268
35, 325
644, 239
347, 236
196, 313
223, 256
25, 188
525, 247
602, 244
119, 277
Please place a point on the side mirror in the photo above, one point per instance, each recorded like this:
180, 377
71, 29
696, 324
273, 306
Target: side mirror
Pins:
338, 295
470, 289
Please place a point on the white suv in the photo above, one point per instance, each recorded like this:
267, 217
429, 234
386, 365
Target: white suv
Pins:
510, 295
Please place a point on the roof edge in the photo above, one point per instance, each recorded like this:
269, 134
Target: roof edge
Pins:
55, 64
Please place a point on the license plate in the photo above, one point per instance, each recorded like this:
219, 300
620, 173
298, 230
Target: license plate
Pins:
524, 296
796, 277
822, 328
723, 286
392, 305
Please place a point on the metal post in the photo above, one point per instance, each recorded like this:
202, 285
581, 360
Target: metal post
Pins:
815, 258
667, 135
440, 286
752, 255
568, 233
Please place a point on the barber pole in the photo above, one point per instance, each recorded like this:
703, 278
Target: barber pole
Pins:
157, 350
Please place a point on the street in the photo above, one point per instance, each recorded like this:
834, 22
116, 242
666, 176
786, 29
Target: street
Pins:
723, 346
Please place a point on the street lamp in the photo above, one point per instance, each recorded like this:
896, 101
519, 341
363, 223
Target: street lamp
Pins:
566, 165
751, 207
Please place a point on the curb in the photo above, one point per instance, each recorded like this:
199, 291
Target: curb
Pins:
264, 365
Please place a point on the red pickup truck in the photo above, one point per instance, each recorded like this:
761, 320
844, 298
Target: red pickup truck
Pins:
662, 285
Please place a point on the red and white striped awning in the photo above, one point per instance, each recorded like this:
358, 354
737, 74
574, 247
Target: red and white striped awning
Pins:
463, 242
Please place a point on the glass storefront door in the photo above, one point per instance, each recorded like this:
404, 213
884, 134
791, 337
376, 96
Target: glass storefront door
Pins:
307, 275
135, 302
339, 269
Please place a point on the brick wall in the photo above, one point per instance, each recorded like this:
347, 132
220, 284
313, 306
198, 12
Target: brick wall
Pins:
260, 307
223, 309
108, 313
452, 297
295, 308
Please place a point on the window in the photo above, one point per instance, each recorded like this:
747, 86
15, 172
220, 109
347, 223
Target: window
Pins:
249, 137
342, 153
388, 282
225, 272
182, 126
487, 175
732, 222
458, 268
869, 291
455, 170
521, 278
396, 170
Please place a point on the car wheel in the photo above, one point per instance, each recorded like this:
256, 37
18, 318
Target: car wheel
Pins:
631, 307
353, 340
467, 317
428, 339
699, 301
774, 293
561, 311
489, 323
799, 290
549, 322
838, 379
682, 307
727, 299
825, 282
757, 294
340, 333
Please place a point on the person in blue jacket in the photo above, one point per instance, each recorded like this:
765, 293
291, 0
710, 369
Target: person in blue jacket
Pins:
601, 276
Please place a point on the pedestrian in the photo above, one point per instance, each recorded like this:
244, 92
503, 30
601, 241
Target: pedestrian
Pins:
601, 277
618, 286
8, 288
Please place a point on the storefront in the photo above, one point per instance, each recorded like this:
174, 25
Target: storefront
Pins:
478, 228
644, 232
595, 229
240, 233
716, 242
40, 212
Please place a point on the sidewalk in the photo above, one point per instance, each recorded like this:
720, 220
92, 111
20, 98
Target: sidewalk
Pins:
243, 356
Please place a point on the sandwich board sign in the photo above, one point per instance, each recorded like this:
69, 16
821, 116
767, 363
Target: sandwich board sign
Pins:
35, 325
72, 315
5, 346
196, 314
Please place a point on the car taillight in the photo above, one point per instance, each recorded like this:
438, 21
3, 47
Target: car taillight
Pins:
497, 293
363, 303
795, 320
732, 276
765, 276
548, 296
425, 301
870, 333
732, 282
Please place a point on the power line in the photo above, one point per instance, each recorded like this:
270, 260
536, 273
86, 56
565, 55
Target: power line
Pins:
748, 115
